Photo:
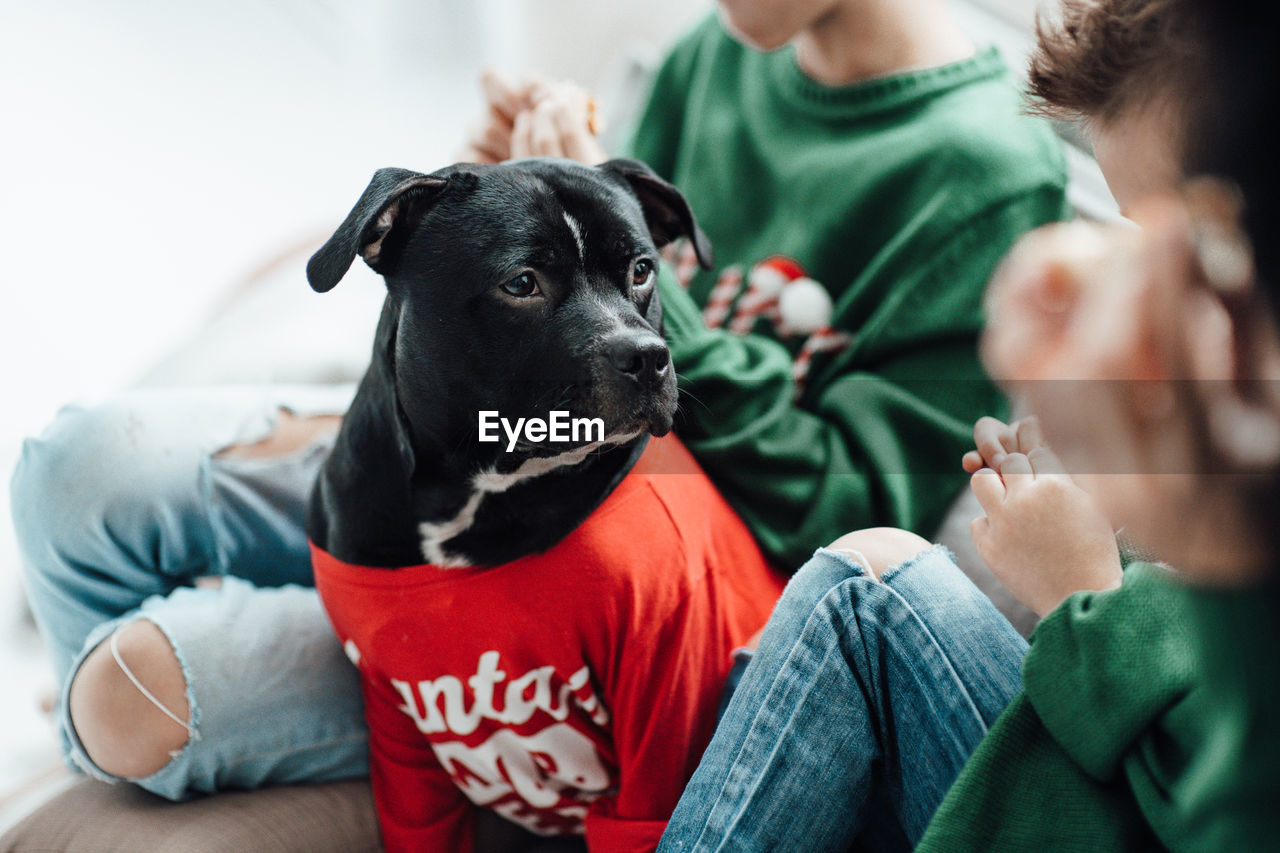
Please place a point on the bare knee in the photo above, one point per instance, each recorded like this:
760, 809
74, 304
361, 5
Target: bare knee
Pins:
882, 547
124, 733
290, 434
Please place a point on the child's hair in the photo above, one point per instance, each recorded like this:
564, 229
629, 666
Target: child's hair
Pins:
1106, 58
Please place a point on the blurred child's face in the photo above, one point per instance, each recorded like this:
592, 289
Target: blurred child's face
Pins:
1138, 154
1147, 350
770, 24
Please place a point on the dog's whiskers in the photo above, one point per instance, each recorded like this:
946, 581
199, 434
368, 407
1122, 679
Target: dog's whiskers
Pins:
684, 392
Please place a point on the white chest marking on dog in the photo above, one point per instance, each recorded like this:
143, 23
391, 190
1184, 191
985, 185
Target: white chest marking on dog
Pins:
577, 236
435, 533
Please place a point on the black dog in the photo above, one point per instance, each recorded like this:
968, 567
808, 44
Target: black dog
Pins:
544, 623
520, 289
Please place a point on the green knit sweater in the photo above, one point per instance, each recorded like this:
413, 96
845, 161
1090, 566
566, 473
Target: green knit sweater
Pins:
898, 196
1147, 721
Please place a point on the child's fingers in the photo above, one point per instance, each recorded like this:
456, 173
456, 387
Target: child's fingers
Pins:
980, 531
505, 98
988, 489
496, 140
544, 135
487, 143
1016, 472
972, 462
1027, 434
1044, 462
994, 439
500, 119
576, 139
521, 136
533, 88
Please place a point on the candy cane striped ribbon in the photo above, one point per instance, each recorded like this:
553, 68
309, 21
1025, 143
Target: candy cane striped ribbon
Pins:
826, 340
721, 297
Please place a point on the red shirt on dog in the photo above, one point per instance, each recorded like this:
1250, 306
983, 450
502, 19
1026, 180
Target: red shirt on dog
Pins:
571, 691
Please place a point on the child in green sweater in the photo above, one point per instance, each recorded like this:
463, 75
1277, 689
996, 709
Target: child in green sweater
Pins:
1144, 719
859, 169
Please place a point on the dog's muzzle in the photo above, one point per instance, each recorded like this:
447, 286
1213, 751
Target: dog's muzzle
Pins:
641, 379
640, 358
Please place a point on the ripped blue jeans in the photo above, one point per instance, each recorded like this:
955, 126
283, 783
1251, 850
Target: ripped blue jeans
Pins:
854, 717
119, 508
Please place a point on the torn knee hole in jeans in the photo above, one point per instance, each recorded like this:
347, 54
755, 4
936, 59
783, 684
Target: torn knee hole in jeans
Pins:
286, 433
130, 711
192, 734
861, 559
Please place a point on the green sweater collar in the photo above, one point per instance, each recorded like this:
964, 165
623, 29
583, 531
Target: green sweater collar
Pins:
874, 95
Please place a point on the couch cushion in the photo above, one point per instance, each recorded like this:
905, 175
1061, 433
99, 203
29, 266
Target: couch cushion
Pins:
93, 816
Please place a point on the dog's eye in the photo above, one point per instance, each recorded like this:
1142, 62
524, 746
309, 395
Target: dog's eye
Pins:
522, 286
642, 272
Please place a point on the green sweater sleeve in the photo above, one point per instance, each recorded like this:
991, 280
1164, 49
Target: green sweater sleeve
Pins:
1224, 796
1147, 721
1020, 792
1102, 666
878, 435
1057, 770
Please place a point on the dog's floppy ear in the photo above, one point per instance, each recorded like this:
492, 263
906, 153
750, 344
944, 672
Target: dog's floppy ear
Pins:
394, 201
666, 211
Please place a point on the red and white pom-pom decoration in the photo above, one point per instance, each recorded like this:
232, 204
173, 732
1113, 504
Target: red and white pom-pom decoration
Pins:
721, 297
803, 308
764, 284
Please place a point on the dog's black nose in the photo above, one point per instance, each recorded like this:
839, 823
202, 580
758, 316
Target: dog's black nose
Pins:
641, 356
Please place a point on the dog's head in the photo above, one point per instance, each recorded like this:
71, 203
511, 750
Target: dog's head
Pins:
523, 289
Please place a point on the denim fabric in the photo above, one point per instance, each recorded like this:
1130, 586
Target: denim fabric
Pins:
855, 715
120, 507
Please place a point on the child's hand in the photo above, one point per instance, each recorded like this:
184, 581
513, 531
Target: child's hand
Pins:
534, 118
561, 123
1043, 536
490, 140
996, 439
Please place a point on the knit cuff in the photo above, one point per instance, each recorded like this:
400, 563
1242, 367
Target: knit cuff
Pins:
1103, 666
